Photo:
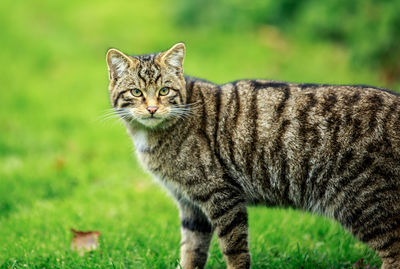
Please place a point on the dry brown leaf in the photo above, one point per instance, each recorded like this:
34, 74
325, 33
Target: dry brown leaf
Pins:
360, 265
85, 241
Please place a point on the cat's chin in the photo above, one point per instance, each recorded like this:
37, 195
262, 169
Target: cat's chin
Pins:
151, 122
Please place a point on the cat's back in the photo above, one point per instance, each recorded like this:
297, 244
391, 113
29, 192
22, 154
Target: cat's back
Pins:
347, 114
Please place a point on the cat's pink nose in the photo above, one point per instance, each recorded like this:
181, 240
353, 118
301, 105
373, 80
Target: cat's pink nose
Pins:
152, 109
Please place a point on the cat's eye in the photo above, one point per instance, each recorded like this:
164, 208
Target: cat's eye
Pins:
136, 92
164, 91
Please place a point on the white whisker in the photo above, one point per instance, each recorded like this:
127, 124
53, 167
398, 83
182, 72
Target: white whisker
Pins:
115, 113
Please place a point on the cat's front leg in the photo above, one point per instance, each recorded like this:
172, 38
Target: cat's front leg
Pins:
228, 214
196, 234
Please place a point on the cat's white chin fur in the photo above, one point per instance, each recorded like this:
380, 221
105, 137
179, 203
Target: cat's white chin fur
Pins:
150, 122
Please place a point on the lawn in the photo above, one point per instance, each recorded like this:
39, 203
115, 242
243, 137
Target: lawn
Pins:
64, 165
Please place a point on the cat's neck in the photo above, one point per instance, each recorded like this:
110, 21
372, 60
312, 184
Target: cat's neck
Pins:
140, 140
147, 139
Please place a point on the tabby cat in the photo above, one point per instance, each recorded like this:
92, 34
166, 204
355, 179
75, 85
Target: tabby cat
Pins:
328, 149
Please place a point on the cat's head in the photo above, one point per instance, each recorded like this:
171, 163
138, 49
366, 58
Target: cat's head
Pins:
148, 90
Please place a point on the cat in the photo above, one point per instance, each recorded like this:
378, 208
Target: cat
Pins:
327, 149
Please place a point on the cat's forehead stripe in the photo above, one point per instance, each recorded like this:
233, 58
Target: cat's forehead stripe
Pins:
148, 70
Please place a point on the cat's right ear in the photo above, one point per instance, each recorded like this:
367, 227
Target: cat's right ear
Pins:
118, 63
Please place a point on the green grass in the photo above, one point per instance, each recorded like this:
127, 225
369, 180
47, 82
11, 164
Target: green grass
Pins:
61, 166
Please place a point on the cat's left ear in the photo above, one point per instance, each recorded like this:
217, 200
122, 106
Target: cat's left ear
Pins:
174, 56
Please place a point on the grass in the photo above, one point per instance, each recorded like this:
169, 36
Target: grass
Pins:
62, 166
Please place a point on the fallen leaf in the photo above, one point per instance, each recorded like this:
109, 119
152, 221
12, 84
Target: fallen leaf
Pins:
85, 241
360, 265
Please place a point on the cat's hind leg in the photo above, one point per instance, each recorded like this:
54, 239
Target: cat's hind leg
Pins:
384, 237
389, 251
389, 263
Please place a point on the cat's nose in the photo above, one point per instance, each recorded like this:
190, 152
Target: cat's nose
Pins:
152, 109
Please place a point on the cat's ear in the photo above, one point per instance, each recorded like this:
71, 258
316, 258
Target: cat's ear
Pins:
174, 56
118, 63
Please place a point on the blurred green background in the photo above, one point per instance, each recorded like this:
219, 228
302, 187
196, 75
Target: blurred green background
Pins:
64, 165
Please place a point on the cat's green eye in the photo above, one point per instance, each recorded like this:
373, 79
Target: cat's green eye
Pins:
164, 91
136, 92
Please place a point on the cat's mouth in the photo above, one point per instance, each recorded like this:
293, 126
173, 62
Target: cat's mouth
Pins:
150, 121
152, 117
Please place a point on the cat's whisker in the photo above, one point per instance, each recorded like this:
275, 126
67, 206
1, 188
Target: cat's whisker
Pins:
185, 108
109, 110
127, 116
132, 119
115, 113
108, 114
112, 111
180, 114
189, 104
103, 118
108, 118
182, 108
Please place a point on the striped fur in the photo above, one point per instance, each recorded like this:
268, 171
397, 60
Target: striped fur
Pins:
328, 149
